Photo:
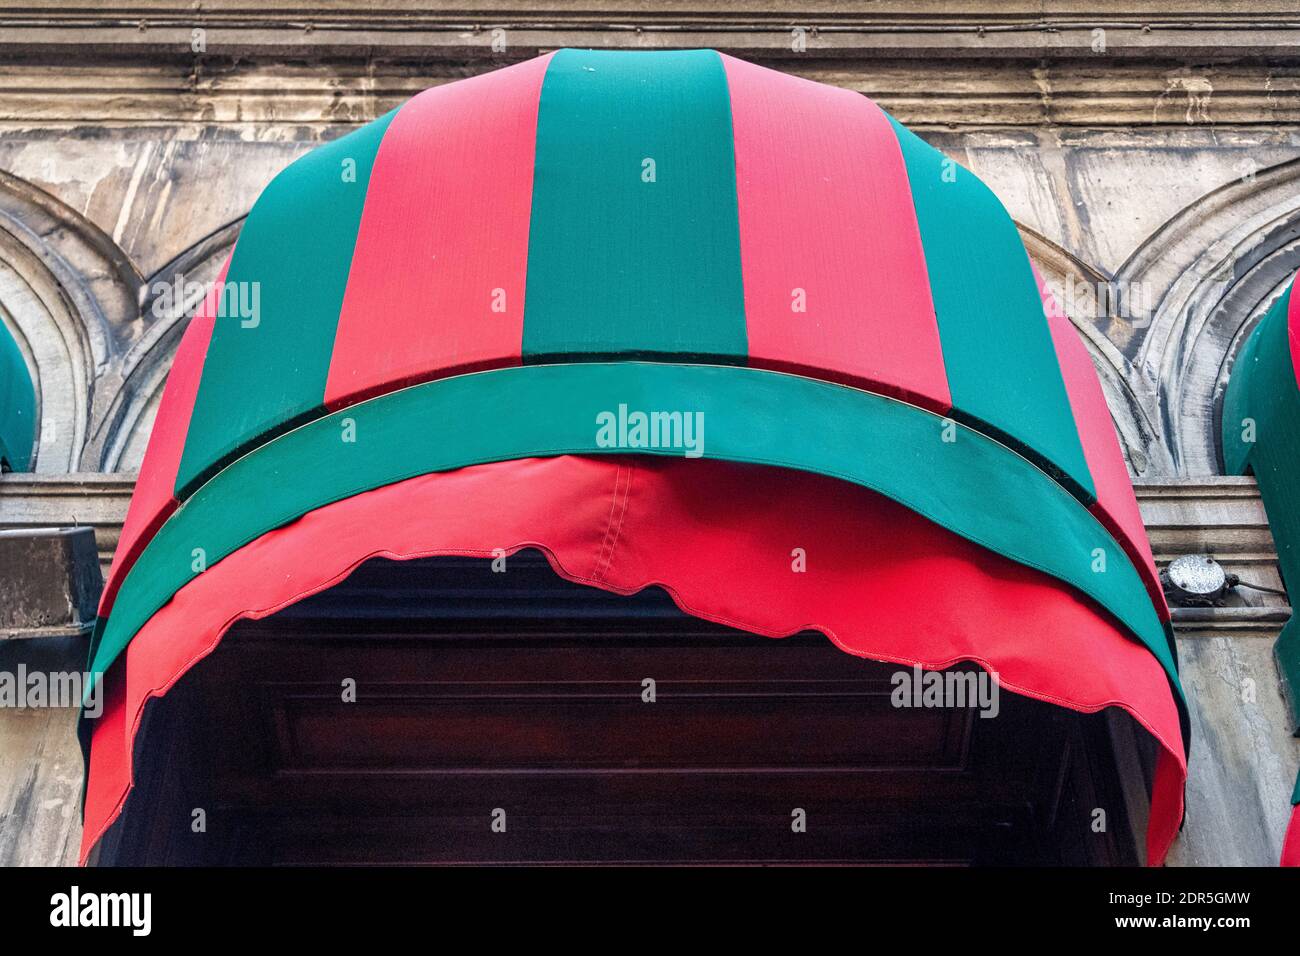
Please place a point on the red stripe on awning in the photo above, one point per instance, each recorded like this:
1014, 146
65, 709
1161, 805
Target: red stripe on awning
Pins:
1293, 333
719, 538
153, 500
1291, 843
1116, 506
443, 239
825, 208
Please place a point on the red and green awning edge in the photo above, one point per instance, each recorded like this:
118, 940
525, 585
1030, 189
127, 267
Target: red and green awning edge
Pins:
834, 294
1261, 433
17, 406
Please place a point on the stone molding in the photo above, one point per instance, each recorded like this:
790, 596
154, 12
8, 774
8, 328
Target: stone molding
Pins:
968, 63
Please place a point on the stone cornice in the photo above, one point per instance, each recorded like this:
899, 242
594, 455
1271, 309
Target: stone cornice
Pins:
214, 91
464, 30
961, 65
88, 498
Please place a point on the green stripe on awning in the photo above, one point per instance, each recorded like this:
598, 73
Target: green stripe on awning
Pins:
997, 346
1261, 388
973, 486
1261, 431
266, 371
17, 406
634, 242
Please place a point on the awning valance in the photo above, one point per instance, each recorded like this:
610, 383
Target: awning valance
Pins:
518, 265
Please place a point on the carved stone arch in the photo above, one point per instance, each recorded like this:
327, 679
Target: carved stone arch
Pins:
123, 426
1075, 283
69, 295
1209, 272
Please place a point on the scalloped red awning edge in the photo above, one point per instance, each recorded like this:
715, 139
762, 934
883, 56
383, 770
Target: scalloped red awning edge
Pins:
881, 583
1291, 842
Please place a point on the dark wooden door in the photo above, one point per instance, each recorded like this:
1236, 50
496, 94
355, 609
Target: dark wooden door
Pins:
520, 699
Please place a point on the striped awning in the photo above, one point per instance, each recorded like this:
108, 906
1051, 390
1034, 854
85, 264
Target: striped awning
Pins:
516, 266
17, 407
1261, 433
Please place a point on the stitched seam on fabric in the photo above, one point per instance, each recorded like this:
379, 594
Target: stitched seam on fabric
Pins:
618, 531
599, 564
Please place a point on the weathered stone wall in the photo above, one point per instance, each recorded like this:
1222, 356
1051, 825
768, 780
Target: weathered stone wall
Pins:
1149, 149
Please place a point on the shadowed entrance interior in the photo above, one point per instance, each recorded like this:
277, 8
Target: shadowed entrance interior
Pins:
519, 697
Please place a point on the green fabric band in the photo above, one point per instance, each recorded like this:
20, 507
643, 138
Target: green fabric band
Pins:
953, 475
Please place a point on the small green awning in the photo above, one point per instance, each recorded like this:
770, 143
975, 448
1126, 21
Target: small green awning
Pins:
1261, 433
17, 406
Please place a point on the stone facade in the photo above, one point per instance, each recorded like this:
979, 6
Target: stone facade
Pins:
1149, 151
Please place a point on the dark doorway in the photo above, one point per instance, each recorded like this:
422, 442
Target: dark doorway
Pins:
519, 692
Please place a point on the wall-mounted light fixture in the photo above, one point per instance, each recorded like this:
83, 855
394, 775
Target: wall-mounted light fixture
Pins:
1197, 580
